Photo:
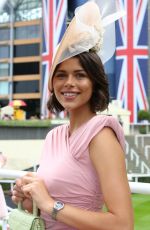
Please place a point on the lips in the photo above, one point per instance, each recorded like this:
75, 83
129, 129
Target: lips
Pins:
70, 94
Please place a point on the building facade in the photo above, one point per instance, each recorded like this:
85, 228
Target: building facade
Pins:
20, 54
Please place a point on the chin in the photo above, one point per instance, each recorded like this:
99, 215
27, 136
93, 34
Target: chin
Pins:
69, 108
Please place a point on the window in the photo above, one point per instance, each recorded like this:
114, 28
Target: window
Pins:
4, 69
27, 32
3, 102
4, 34
26, 87
27, 50
26, 68
3, 87
4, 52
32, 108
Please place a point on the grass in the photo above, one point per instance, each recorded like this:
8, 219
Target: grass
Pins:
141, 205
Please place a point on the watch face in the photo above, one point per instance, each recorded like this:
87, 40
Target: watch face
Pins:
58, 205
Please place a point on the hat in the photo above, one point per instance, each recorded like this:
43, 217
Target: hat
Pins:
91, 28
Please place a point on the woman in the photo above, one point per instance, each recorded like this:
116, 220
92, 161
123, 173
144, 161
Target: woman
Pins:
94, 171
82, 165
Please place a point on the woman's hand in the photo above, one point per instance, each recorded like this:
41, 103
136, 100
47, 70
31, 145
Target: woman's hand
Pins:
19, 196
34, 187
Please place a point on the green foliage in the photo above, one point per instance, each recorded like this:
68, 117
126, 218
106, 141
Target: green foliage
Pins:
25, 123
142, 129
144, 179
5, 186
31, 123
143, 115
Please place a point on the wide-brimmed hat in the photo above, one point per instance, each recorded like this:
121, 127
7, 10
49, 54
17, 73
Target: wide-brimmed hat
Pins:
92, 28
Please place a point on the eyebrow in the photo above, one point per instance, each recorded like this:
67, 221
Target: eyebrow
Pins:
80, 70
75, 71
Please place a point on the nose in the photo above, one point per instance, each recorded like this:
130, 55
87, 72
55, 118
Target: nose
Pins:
70, 81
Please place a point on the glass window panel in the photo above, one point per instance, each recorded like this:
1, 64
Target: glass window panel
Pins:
3, 87
29, 10
20, 32
32, 108
30, 4
27, 32
4, 69
26, 50
26, 68
4, 34
24, 10
4, 52
26, 87
3, 102
27, 15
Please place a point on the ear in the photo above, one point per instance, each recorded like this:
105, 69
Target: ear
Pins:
52, 92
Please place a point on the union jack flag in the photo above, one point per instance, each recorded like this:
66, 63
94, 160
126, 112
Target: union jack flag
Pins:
132, 56
54, 26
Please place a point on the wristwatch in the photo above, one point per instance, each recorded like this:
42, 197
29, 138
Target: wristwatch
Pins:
58, 205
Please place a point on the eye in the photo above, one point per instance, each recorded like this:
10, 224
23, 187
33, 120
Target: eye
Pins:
60, 75
81, 75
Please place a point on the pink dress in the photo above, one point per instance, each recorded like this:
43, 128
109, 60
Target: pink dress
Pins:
67, 169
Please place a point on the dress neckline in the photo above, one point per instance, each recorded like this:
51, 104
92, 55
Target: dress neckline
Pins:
79, 128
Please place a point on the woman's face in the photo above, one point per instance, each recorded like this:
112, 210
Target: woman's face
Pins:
72, 86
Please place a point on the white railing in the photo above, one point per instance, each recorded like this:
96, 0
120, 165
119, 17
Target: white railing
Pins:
136, 187
134, 156
147, 151
139, 187
11, 174
140, 136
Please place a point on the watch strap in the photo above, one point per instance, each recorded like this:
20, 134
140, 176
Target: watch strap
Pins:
54, 213
58, 205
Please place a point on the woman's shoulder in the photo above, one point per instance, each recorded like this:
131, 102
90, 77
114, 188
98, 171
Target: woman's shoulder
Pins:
99, 122
103, 120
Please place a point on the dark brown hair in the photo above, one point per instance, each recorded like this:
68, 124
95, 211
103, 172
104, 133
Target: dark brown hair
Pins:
93, 66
